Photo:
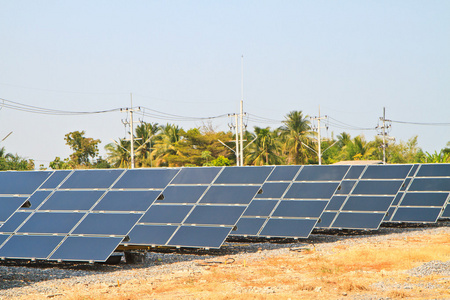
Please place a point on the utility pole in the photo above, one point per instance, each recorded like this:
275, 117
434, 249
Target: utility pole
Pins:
319, 138
131, 124
384, 133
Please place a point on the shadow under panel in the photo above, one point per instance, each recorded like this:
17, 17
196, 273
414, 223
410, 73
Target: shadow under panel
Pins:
91, 179
146, 179
127, 200
202, 175
107, 224
50, 223
71, 200
248, 226
30, 246
416, 214
76, 248
220, 194
166, 214
322, 173
352, 220
182, 194
199, 236
300, 228
21, 183
9, 205
157, 235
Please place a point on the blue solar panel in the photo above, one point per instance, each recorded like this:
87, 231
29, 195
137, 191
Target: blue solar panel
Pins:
354, 172
434, 170
284, 173
288, 228
326, 219
351, 220
249, 226
425, 199
369, 187
21, 183
72, 200
430, 184
55, 179
146, 179
36, 199
230, 194
417, 214
260, 208
196, 175
368, 203
166, 214
127, 201
300, 209
9, 205
48, 223
311, 190
151, 234
14, 222
386, 172
30, 246
86, 248
107, 224
322, 173
215, 215
183, 194
273, 190
199, 236
91, 179
243, 175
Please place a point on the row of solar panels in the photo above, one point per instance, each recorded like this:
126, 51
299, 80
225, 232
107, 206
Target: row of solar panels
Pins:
84, 215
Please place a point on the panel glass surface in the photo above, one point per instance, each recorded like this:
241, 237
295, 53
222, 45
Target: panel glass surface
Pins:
86, 248
249, 226
127, 200
405, 184
260, 208
14, 222
377, 187
389, 214
347, 220
300, 228
284, 173
243, 175
413, 171
21, 183
430, 184
354, 172
196, 175
91, 179
30, 246
215, 215
183, 194
3, 238
8, 205
200, 236
445, 213
346, 187
71, 200
146, 179
151, 234
55, 179
221, 194
166, 214
424, 199
107, 224
336, 203
434, 170
326, 219
397, 198
299, 209
416, 214
273, 190
386, 172
36, 199
322, 173
364, 203
51, 222
301, 190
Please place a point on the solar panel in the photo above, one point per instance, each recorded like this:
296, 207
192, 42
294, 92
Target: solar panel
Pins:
36, 199
146, 179
30, 246
220, 194
55, 179
166, 214
21, 182
196, 176
183, 194
243, 175
127, 201
288, 227
260, 207
9, 205
71, 200
107, 223
195, 236
284, 173
51, 223
91, 179
322, 173
16, 219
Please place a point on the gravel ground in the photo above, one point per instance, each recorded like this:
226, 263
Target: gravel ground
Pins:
19, 278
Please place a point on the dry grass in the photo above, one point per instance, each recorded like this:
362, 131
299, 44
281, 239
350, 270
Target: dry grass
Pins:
345, 271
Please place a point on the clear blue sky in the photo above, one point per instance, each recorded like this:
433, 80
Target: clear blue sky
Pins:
184, 57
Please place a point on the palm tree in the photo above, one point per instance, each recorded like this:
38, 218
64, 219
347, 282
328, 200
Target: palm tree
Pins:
118, 153
265, 149
144, 135
166, 144
358, 149
296, 134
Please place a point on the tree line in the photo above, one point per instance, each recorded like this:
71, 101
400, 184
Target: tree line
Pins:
295, 142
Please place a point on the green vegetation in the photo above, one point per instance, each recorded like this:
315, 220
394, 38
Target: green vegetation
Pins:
171, 146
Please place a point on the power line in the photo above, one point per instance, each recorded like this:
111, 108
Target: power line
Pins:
419, 123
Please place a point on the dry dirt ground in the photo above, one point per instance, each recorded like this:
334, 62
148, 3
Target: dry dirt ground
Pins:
411, 263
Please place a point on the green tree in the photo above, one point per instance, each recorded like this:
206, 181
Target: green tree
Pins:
296, 133
265, 149
145, 133
118, 154
84, 149
358, 149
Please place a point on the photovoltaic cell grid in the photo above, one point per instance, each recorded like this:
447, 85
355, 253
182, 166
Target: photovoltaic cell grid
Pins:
292, 201
84, 215
200, 207
424, 196
364, 197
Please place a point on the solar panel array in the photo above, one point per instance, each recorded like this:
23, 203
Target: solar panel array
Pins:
85, 215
